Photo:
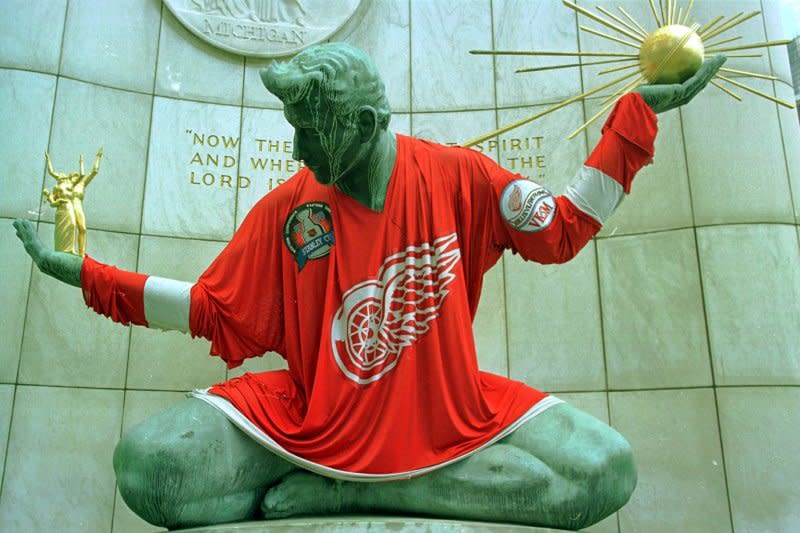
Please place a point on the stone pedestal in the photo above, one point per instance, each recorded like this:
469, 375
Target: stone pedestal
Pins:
373, 524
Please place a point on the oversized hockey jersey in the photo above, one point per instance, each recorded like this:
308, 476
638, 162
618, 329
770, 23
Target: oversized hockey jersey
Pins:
373, 310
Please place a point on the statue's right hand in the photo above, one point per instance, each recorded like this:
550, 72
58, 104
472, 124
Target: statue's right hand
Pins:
26, 232
62, 266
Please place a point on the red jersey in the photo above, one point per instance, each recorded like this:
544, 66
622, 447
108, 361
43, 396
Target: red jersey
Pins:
373, 310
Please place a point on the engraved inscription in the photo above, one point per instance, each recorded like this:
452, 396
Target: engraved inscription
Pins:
524, 155
214, 159
272, 160
263, 28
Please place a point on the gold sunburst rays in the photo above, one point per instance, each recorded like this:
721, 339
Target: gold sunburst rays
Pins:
669, 54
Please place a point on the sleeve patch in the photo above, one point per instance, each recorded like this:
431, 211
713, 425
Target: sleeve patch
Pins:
527, 206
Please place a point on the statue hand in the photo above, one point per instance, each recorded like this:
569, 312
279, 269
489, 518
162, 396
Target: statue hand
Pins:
665, 97
97, 159
62, 266
26, 232
87, 178
50, 169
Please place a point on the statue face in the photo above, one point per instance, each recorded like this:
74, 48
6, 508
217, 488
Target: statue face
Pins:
327, 147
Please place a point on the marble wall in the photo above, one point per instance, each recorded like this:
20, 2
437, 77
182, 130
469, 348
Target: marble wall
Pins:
678, 324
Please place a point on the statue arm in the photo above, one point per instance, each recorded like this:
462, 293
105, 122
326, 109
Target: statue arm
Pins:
95, 168
62, 266
135, 298
549, 229
125, 297
226, 305
569, 221
50, 169
51, 199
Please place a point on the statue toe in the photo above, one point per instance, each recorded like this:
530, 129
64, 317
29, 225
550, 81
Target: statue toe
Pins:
301, 493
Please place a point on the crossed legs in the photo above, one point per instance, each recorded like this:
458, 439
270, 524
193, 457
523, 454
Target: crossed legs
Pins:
189, 466
562, 469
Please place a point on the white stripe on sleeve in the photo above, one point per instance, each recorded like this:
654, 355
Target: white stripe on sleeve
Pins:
595, 193
166, 303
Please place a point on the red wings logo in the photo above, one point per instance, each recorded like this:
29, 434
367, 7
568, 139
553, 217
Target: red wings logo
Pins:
380, 317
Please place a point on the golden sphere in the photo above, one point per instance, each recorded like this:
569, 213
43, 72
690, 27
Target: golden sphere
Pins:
681, 65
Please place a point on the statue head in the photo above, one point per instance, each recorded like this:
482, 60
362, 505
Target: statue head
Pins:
335, 99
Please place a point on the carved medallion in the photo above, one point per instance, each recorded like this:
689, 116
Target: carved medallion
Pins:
263, 28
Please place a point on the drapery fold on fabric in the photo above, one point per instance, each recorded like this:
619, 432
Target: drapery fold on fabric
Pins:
115, 293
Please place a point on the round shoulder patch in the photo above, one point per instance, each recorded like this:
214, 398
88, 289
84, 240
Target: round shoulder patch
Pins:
308, 232
527, 206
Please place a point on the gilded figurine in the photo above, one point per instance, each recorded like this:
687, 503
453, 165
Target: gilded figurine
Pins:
67, 197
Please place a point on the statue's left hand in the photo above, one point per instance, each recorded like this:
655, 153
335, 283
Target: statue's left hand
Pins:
665, 97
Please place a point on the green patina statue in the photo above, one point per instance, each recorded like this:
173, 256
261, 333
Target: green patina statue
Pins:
190, 465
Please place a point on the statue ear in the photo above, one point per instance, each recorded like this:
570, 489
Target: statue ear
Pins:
367, 122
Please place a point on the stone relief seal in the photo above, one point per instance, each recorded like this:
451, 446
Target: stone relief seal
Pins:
263, 28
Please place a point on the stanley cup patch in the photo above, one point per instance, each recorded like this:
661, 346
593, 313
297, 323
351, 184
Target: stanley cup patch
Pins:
308, 232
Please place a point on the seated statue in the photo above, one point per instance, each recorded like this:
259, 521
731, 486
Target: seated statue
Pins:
364, 272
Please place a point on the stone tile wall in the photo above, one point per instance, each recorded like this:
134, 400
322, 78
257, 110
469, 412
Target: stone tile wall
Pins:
678, 324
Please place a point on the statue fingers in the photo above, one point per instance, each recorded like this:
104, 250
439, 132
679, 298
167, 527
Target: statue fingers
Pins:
50, 168
25, 229
26, 232
18, 224
705, 73
712, 65
96, 166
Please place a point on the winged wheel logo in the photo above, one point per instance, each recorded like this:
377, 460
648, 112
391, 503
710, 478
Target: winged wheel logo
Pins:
381, 317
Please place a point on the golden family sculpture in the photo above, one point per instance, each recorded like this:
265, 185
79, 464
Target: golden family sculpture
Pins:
67, 197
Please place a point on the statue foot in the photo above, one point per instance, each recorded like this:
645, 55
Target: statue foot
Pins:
302, 493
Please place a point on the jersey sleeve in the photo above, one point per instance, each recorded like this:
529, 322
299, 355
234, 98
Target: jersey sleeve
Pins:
541, 227
134, 298
237, 302
112, 292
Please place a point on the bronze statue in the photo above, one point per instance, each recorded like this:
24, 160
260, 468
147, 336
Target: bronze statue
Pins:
364, 271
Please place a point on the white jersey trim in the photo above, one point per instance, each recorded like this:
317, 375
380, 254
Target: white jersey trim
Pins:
166, 303
595, 193
243, 423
